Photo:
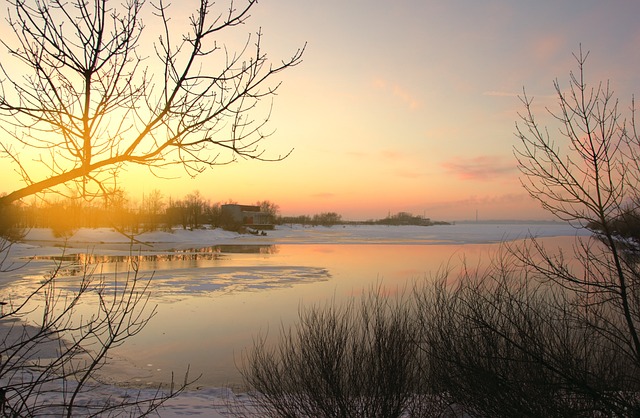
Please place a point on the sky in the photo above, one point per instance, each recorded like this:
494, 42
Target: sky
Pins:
410, 105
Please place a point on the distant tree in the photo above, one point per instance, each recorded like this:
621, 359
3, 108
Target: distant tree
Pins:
12, 222
301, 219
174, 213
194, 207
625, 227
327, 219
152, 207
404, 218
214, 214
118, 209
63, 217
270, 208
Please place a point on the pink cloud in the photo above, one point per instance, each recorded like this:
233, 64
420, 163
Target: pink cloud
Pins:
397, 91
379, 83
391, 155
484, 167
406, 97
547, 47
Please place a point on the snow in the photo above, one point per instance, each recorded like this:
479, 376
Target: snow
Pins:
299, 234
212, 401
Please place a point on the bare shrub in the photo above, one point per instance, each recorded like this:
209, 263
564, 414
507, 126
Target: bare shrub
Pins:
502, 343
349, 360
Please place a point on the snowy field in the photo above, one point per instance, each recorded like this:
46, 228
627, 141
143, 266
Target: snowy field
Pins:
215, 289
465, 233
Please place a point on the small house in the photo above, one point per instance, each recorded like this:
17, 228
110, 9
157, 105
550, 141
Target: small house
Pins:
249, 216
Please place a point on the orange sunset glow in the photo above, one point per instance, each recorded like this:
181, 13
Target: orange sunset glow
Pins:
407, 106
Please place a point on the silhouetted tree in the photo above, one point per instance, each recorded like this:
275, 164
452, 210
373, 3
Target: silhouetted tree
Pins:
194, 206
539, 332
88, 90
50, 360
88, 82
214, 214
590, 185
12, 222
545, 333
300, 219
501, 343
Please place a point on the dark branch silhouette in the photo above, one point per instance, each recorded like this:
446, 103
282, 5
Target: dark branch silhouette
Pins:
89, 90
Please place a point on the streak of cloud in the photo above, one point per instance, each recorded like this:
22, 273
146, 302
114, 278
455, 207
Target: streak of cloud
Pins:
398, 92
389, 154
548, 47
483, 168
324, 195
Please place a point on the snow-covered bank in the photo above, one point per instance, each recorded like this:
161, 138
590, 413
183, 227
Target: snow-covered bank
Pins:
471, 233
110, 238
180, 238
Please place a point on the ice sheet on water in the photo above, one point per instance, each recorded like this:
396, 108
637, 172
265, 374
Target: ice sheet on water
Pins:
172, 284
226, 279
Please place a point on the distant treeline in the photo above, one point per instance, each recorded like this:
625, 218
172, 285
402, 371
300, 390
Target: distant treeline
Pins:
332, 218
405, 218
155, 212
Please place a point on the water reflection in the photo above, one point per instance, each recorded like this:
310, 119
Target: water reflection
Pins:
76, 264
210, 330
176, 275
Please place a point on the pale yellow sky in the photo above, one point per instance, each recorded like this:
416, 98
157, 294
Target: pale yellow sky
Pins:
410, 105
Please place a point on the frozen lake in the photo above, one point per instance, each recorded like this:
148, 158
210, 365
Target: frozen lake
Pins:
215, 291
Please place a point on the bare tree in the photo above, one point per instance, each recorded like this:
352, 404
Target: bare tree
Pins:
87, 90
194, 207
51, 355
544, 332
539, 332
269, 208
589, 177
151, 209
